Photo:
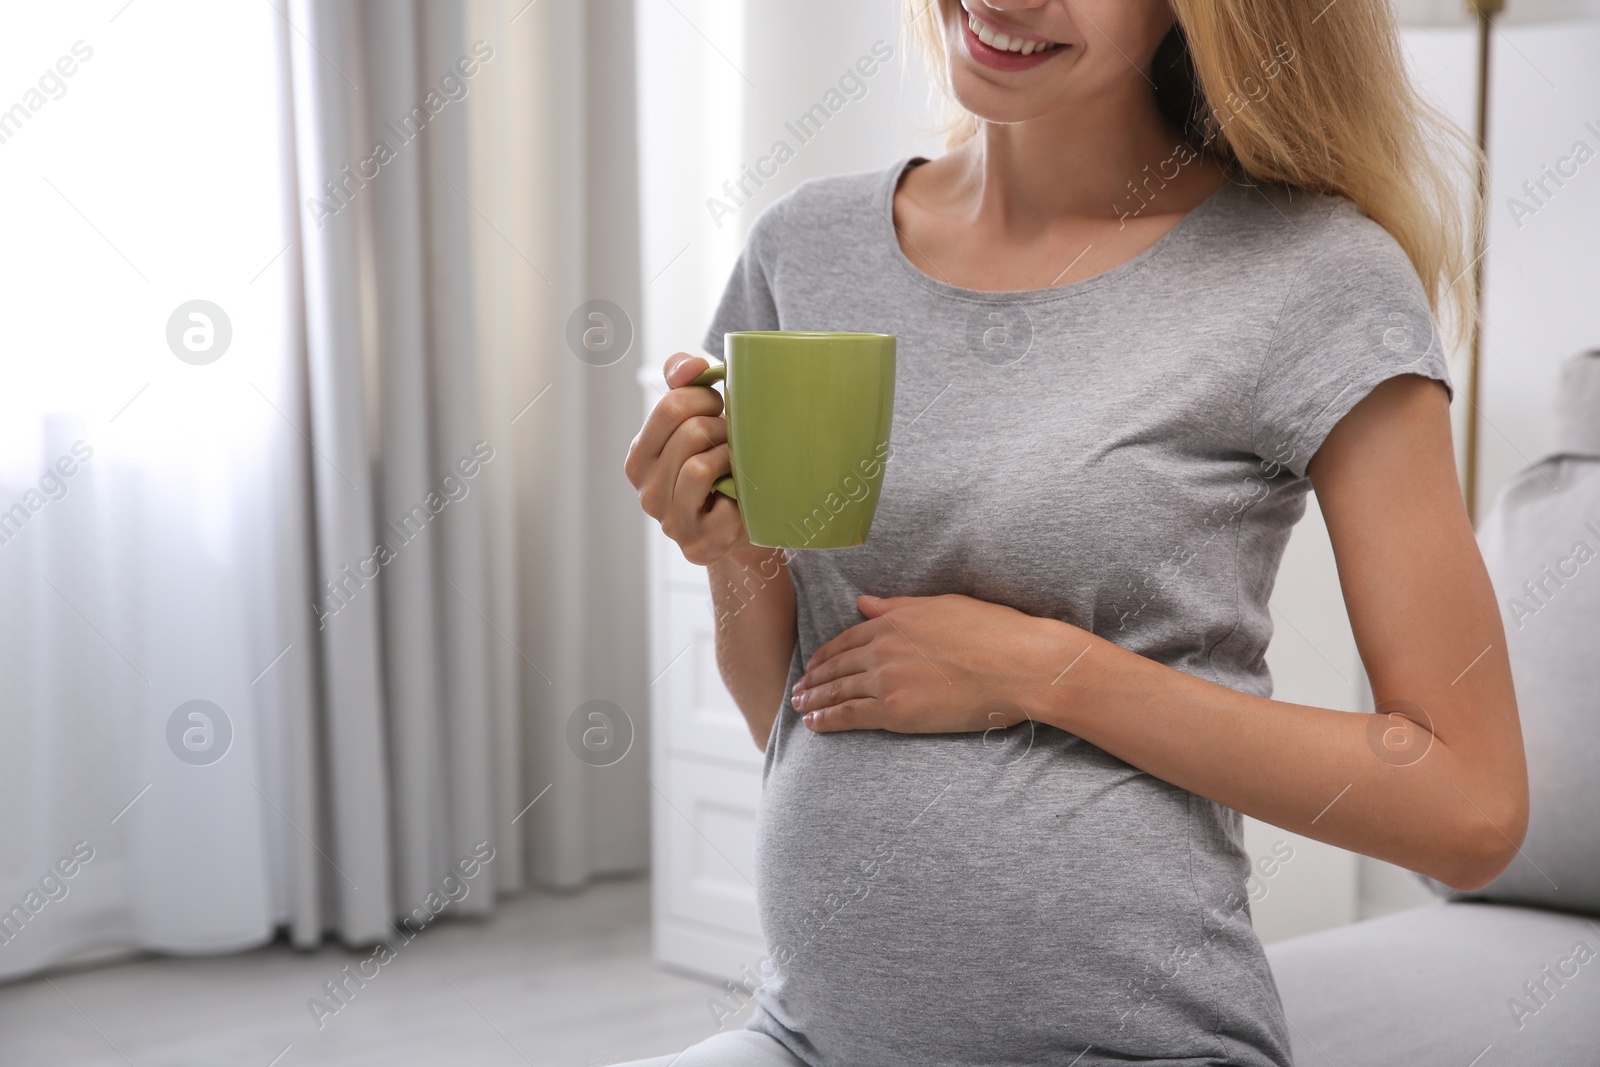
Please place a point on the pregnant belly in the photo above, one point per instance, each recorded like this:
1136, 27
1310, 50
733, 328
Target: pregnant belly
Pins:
1013, 898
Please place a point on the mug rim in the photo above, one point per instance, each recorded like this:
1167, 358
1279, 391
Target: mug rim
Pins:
832, 334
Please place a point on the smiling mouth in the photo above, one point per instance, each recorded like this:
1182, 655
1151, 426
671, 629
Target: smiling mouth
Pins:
1007, 42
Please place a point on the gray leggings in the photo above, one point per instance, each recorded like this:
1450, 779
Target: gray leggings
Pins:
730, 1048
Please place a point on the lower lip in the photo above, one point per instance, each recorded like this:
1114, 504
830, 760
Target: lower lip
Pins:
995, 59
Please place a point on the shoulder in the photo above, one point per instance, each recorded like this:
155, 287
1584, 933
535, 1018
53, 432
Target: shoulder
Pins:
836, 197
823, 210
1346, 311
1316, 241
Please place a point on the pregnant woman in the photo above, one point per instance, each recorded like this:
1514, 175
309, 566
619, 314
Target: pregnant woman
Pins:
1181, 264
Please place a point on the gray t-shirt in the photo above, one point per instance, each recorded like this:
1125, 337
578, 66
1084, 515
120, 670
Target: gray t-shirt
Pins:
1127, 454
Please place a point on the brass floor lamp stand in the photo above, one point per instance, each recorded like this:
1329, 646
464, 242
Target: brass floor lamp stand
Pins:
1486, 10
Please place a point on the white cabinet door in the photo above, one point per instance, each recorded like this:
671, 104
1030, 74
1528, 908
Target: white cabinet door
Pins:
706, 773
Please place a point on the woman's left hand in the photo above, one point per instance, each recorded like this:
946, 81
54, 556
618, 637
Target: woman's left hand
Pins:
933, 665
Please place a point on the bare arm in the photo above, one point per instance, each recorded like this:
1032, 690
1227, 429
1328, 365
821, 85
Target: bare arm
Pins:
1436, 782
673, 461
756, 634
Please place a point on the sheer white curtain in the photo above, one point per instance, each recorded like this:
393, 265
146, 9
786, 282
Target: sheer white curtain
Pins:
303, 584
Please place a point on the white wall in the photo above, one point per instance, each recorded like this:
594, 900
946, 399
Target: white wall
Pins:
1544, 274
717, 83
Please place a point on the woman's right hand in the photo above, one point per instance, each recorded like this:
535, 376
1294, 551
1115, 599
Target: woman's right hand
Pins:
681, 449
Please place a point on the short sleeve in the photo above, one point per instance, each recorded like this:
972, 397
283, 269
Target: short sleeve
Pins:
1355, 316
747, 302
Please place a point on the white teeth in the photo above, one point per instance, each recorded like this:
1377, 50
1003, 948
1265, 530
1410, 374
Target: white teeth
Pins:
1003, 42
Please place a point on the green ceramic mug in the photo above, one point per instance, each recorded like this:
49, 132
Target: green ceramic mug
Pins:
808, 427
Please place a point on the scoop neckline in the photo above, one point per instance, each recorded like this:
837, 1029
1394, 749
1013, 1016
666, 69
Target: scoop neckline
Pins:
1053, 292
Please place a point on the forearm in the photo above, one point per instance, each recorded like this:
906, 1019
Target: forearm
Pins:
753, 597
1315, 771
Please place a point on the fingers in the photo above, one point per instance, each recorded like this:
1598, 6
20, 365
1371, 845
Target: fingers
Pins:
721, 531
682, 402
860, 714
874, 606
855, 637
693, 436
843, 689
681, 449
704, 523
853, 661
670, 413
681, 368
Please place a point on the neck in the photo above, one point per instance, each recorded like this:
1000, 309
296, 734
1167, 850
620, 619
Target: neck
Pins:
1023, 176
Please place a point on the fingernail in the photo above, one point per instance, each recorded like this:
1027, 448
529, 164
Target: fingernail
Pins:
810, 719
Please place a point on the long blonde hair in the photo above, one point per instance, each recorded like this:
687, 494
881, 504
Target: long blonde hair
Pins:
1340, 116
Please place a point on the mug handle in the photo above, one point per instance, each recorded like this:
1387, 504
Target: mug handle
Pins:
717, 372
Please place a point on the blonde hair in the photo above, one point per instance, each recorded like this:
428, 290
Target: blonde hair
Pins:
1340, 116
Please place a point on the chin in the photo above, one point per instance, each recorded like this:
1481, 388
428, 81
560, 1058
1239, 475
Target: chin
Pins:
989, 103
977, 89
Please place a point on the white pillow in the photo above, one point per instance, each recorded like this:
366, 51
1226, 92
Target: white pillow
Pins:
1541, 542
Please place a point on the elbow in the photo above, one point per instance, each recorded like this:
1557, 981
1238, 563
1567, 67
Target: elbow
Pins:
1485, 844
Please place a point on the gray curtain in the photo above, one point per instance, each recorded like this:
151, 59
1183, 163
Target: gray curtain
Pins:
465, 180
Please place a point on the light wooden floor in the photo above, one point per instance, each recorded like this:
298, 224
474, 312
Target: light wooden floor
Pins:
550, 981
